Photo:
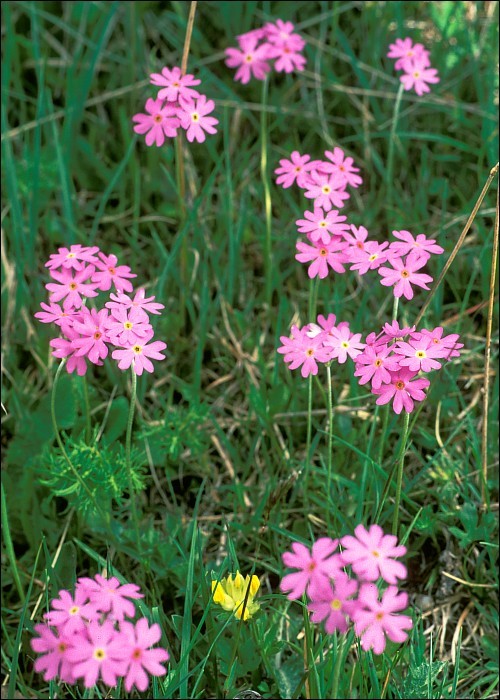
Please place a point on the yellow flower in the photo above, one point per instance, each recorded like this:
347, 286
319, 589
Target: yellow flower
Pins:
230, 593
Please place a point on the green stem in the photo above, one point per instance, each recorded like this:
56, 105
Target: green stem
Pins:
267, 192
312, 685
10, 548
88, 427
128, 460
330, 429
313, 298
392, 141
399, 476
309, 423
104, 516
338, 664
395, 308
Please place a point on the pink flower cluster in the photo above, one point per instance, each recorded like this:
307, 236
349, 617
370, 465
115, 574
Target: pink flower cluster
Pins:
338, 597
413, 60
274, 41
87, 636
393, 361
391, 364
81, 272
177, 105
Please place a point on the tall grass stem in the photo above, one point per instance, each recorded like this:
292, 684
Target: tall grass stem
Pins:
399, 474
392, 143
128, 456
264, 171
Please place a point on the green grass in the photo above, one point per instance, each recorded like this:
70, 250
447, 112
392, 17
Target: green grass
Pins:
220, 431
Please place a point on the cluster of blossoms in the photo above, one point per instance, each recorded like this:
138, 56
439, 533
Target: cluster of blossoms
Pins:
87, 636
392, 360
275, 41
338, 597
177, 105
231, 593
413, 60
81, 272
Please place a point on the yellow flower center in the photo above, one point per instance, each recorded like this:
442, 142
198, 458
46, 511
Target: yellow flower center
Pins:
421, 354
335, 604
195, 117
70, 255
310, 352
378, 362
400, 385
326, 189
345, 344
128, 326
73, 285
373, 257
74, 610
405, 274
99, 654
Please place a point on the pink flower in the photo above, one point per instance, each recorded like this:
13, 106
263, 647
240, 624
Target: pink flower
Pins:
109, 273
372, 554
342, 343
356, 239
195, 120
140, 301
407, 243
295, 169
405, 51
325, 326
55, 648
250, 59
109, 596
92, 329
257, 34
53, 313
135, 650
446, 345
287, 58
302, 351
64, 348
174, 85
126, 327
370, 258
419, 76
98, 653
341, 165
373, 619
404, 274
283, 32
404, 389
320, 226
418, 354
71, 288
333, 603
322, 256
328, 191
137, 355
375, 364
316, 568
392, 330
160, 121
74, 257
70, 614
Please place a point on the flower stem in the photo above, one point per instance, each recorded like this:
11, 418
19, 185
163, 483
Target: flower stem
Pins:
88, 427
179, 150
399, 476
267, 192
128, 460
330, 427
338, 664
104, 516
392, 141
309, 423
